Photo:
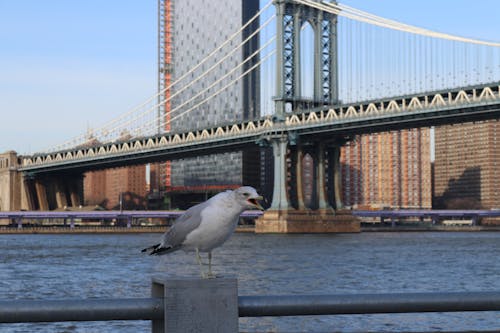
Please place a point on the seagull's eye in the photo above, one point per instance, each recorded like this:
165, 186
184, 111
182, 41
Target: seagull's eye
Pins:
246, 194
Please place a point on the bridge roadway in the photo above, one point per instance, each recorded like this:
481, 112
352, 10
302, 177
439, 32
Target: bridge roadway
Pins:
436, 108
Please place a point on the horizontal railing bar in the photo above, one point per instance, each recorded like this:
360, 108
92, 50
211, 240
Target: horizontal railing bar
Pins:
301, 305
24, 311
19, 311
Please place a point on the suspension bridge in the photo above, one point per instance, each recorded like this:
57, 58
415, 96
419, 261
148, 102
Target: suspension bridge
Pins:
323, 73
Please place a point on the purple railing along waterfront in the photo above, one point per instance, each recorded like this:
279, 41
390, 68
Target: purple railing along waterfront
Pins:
125, 215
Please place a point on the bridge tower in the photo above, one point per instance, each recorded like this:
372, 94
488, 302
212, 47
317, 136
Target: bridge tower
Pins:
289, 212
290, 18
14, 186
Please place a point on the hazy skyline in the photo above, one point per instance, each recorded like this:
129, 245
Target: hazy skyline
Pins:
69, 66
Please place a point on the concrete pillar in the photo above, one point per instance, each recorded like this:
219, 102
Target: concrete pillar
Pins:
280, 193
320, 177
61, 199
335, 167
197, 305
75, 199
41, 194
11, 184
75, 190
29, 198
298, 177
335, 173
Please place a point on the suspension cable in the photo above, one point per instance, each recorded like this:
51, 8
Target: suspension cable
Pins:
359, 15
154, 107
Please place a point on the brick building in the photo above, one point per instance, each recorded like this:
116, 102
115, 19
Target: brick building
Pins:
466, 165
389, 169
105, 187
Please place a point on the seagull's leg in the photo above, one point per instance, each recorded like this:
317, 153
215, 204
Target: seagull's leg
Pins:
198, 259
210, 274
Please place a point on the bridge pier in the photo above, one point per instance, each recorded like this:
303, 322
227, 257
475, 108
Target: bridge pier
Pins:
48, 193
286, 217
15, 193
60, 193
320, 177
28, 186
41, 194
280, 194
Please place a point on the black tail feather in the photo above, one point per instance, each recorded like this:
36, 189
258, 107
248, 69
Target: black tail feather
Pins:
157, 249
151, 248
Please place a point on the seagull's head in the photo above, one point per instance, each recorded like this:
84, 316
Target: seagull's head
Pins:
248, 197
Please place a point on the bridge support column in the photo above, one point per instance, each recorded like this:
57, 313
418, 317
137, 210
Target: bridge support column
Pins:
13, 187
299, 156
280, 193
320, 177
75, 188
281, 217
61, 199
41, 193
337, 177
30, 202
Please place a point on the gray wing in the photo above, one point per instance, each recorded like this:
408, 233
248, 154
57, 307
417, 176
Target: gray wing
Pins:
183, 225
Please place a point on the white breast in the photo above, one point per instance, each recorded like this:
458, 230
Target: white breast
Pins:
217, 225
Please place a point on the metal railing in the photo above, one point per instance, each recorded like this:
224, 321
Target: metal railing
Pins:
213, 305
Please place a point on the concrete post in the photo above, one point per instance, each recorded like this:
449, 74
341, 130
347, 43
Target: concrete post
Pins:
61, 199
30, 197
76, 190
41, 193
337, 178
280, 195
197, 305
298, 175
320, 174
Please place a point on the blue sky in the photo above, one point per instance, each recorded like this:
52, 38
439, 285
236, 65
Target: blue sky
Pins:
66, 66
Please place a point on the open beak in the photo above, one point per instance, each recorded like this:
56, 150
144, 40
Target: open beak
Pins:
255, 202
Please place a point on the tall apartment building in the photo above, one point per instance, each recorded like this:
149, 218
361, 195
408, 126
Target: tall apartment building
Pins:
188, 35
107, 187
389, 169
467, 164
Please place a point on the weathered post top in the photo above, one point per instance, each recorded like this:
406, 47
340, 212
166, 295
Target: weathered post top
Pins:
196, 304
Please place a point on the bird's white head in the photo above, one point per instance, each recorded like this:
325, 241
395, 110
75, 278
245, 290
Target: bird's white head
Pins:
248, 197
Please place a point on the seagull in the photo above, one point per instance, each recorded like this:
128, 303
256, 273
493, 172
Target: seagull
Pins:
207, 225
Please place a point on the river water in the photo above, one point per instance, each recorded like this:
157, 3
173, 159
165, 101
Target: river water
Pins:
111, 266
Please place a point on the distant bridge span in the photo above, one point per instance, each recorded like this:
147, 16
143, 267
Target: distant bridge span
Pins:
437, 108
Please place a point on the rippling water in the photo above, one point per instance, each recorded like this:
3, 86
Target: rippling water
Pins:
111, 266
